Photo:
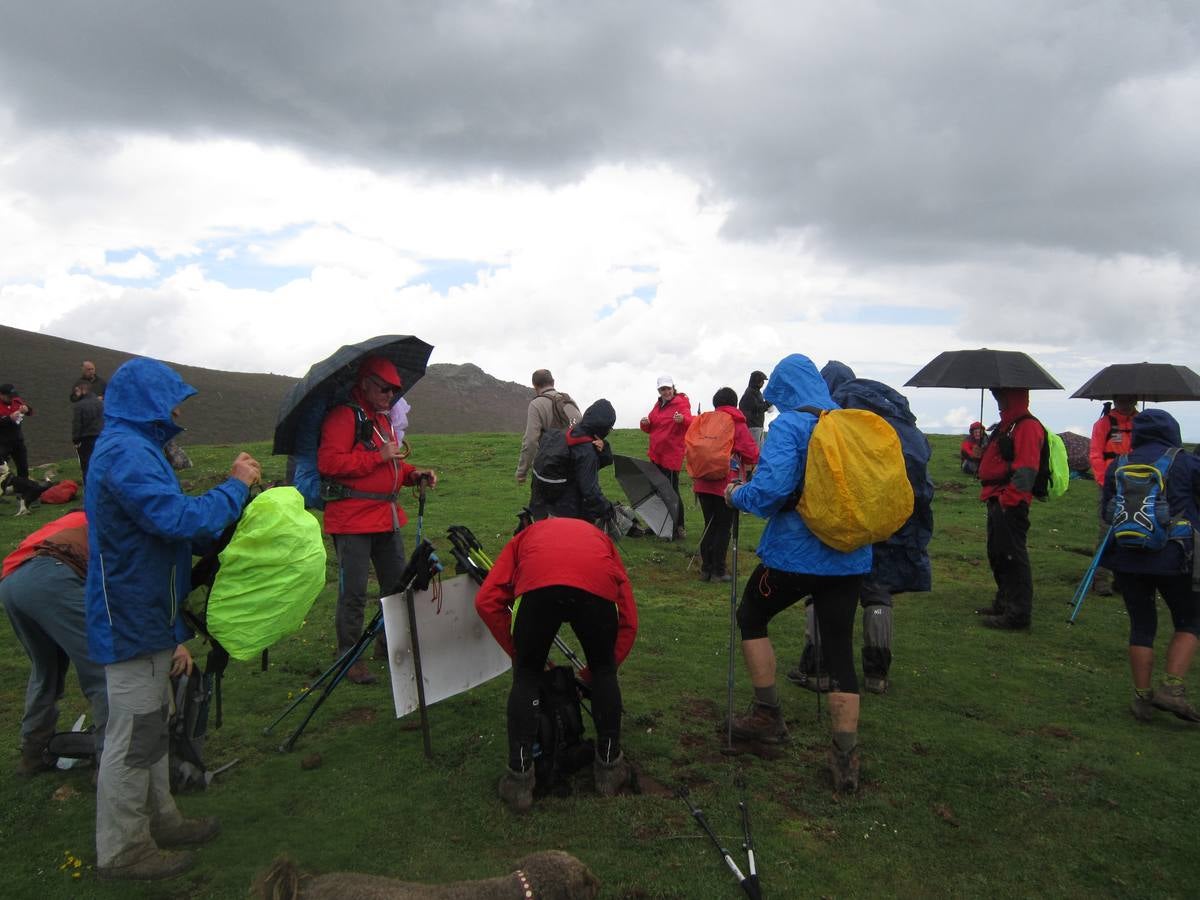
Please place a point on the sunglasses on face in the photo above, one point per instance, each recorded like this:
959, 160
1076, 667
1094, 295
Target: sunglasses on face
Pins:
384, 386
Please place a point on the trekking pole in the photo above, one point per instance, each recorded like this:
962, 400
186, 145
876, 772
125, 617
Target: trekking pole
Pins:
1088, 576
698, 815
422, 479
820, 661
703, 534
747, 839
732, 627
411, 603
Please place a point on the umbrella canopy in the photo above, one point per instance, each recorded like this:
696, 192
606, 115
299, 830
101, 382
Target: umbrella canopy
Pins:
329, 381
1158, 382
984, 369
649, 493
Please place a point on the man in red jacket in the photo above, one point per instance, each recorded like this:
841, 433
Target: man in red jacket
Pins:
563, 570
361, 460
1112, 436
1007, 472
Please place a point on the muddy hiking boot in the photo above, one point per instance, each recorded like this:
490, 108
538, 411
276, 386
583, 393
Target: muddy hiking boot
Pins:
34, 761
147, 863
843, 769
516, 790
359, 673
1173, 699
186, 832
1141, 708
762, 723
611, 776
807, 680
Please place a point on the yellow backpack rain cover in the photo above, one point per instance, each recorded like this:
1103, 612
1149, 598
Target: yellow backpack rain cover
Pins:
856, 488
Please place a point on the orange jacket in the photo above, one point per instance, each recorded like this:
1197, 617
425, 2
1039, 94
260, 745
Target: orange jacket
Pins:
1111, 436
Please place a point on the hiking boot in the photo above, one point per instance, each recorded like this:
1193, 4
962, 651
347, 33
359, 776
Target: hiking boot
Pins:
761, 723
1142, 708
360, 674
1173, 698
516, 790
876, 684
843, 769
147, 863
1003, 623
187, 832
807, 680
705, 575
724, 578
34, 761
611, 777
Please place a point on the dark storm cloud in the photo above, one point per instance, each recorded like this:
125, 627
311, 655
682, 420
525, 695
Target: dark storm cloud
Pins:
911, 131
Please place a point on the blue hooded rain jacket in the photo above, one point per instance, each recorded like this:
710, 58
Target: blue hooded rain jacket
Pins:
786, 543
142, 525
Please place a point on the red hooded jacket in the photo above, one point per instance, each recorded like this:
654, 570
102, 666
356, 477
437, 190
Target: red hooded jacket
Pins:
745, 449
666, 437
1112, 435
553, 552
1012, 482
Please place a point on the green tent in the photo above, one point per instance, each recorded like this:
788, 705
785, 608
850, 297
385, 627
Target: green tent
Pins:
270, 574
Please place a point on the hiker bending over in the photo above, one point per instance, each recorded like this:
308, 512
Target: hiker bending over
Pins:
549, 409
710, 492
361, 463
667, 423
42, 592
1139, 570
566, 470
140, 541
795, 565
564, 570
1007, 473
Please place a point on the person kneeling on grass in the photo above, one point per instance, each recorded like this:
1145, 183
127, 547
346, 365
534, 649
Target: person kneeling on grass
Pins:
1138, 573
795, 565
563, 570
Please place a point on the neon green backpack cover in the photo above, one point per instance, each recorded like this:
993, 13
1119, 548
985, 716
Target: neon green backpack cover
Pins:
270, 575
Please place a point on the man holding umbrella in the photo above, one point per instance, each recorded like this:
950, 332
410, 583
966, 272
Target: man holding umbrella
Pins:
1007, 472
362, 471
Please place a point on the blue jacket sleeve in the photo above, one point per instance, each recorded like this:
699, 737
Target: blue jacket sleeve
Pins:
780, 472
150, 495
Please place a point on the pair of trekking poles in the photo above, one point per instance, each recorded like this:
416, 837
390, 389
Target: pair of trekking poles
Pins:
748, 880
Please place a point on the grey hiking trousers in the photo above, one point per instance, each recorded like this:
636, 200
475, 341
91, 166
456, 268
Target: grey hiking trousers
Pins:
134, 790
356, 553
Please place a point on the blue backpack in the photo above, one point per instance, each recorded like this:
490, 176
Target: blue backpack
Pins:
1139, 511
302, 464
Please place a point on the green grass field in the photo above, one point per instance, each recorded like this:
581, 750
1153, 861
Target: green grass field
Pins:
998, 764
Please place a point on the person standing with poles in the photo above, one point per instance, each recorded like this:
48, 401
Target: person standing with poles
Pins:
362, 470
795, 564
563, 570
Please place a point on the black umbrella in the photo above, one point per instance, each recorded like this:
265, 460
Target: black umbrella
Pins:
649, 492
1158, 382
984, 368
329, 381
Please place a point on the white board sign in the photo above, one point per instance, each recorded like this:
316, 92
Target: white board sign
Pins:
457, 650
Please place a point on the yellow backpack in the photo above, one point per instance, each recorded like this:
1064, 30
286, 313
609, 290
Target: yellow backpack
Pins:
856, 489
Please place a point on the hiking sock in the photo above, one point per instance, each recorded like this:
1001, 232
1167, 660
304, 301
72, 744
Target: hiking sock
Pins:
845, 741
768, 695
1171, 680
1143, 693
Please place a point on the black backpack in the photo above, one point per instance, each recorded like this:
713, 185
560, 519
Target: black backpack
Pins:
552, 465
188, 730
1041, 482
560, 749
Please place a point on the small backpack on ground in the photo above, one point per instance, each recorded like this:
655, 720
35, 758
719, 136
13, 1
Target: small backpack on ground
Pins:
856, 488
552, 464
1054, 471
708, 445
560, 749
1139, 511
61, 492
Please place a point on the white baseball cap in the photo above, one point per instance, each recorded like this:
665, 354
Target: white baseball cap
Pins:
666, 381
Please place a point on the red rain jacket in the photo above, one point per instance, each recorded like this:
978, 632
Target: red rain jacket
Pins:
666, 438
1012, 483
1112, 435
557, 552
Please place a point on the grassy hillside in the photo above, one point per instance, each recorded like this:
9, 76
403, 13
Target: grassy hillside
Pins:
999, 764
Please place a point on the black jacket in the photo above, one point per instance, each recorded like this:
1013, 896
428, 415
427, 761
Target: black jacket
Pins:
581, 497
753, 407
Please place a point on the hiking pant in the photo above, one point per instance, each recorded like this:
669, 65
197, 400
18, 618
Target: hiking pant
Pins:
536, 620
718, 524
876, 605
835, 597
673, 477
44, 602
84, 451
757, 434
356, 553
134, 789
1007, 530
14, 447
1138, 592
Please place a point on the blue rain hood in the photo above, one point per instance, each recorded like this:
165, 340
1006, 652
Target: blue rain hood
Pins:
142, 393
795, 382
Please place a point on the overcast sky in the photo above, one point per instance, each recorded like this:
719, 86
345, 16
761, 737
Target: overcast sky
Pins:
612, 190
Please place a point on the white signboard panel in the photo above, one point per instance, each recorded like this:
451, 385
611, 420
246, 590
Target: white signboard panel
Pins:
457, 650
